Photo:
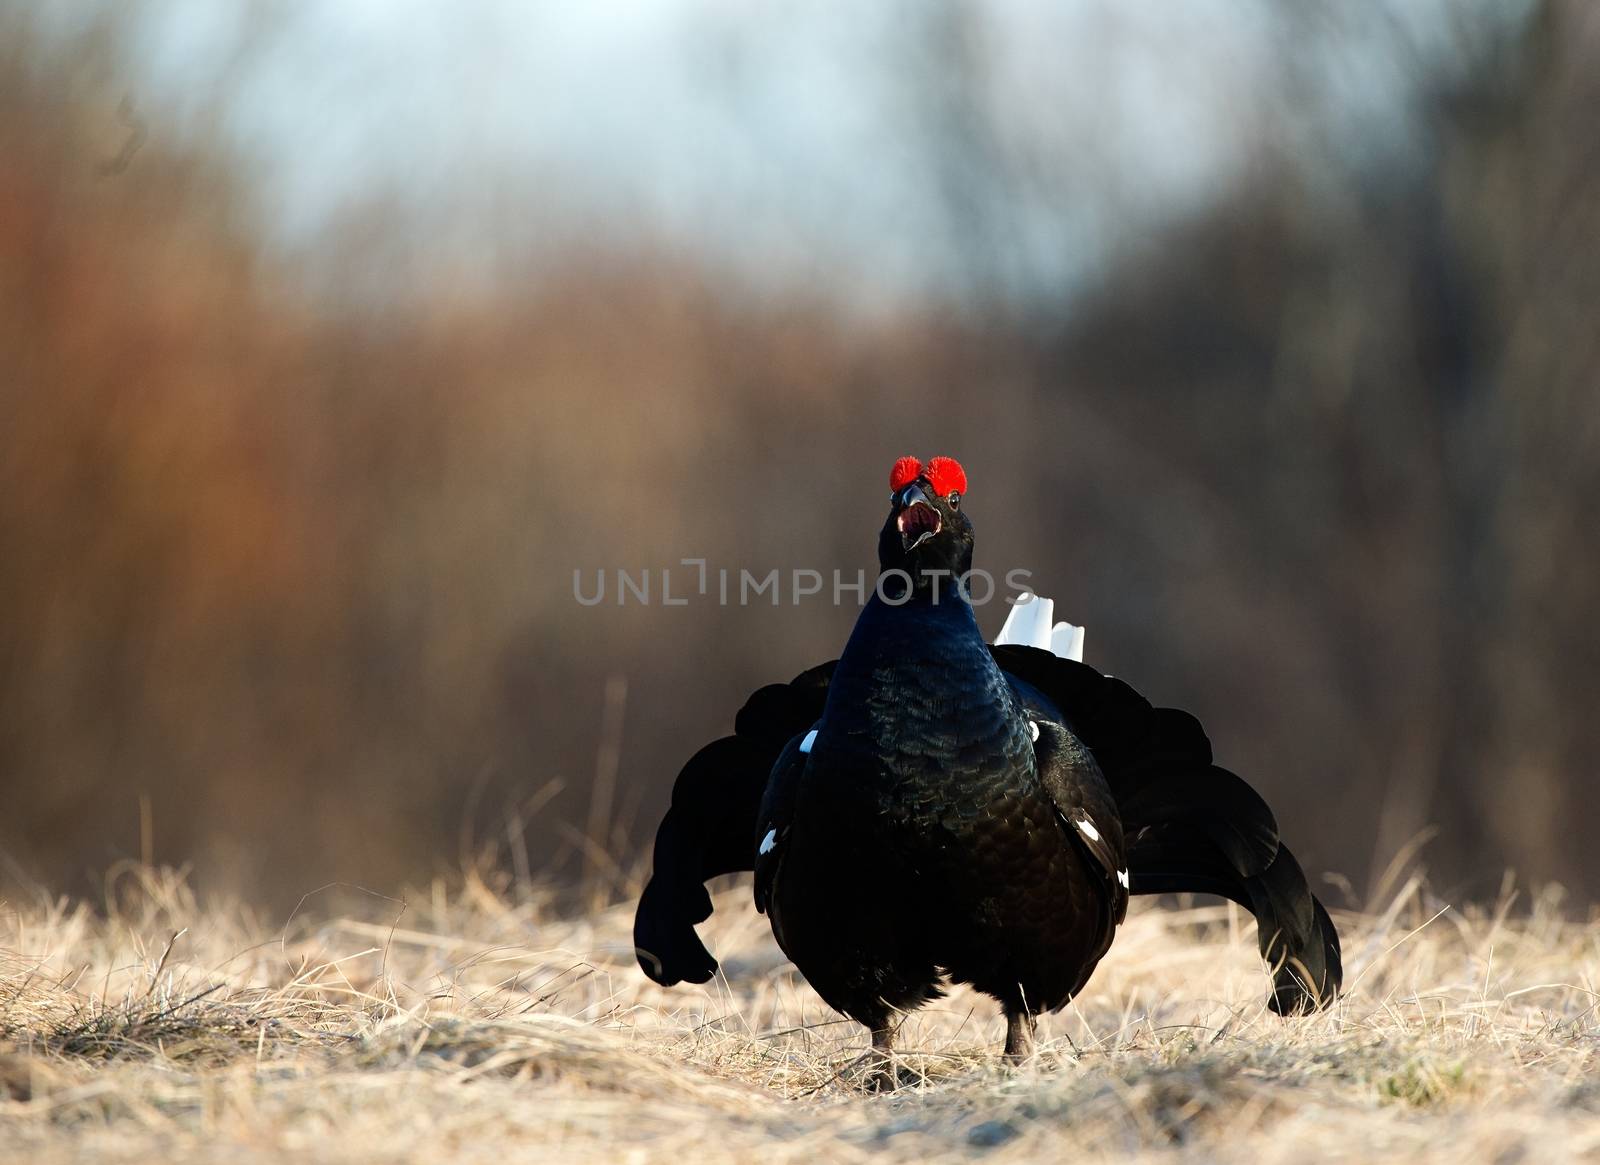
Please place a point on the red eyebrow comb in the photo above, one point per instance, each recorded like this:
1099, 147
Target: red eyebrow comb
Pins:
943, 473
905, 471
947, 476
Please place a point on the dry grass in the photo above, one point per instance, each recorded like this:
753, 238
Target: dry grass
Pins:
469, 1025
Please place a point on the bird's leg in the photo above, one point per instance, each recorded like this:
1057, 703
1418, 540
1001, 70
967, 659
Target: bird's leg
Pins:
1021, 1025
880, 1075
883, 1040
878, 1071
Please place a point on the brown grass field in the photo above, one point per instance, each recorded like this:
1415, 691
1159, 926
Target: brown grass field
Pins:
467, 1023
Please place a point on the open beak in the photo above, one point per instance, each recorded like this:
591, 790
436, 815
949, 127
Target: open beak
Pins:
918, 520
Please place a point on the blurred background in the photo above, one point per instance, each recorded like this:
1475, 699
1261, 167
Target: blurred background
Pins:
334, 338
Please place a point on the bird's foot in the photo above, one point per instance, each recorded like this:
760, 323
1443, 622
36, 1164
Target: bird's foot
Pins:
880, 1073
876, 1069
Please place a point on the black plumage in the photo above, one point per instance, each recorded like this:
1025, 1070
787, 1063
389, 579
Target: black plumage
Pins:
930, 809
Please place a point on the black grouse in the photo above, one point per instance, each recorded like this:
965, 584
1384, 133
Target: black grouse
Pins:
931, 809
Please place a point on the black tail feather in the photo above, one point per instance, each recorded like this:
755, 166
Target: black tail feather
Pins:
1191, 826
1213, 801
1294, 933
664, 937
1296, 937
704, 834
708, 830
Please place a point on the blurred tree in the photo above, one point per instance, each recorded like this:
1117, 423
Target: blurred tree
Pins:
1320, 462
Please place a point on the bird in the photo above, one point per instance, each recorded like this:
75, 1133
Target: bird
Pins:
931, 809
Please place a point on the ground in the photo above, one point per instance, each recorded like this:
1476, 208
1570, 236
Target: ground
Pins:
466, 1023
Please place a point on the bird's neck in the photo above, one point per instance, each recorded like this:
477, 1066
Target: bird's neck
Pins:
918, 670
916, 627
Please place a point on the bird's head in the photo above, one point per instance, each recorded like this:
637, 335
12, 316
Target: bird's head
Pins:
927, 531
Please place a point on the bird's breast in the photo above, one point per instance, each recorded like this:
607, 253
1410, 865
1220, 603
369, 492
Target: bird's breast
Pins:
919, 715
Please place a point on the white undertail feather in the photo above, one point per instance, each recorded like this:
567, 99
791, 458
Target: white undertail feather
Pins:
1067, 641
1029, 624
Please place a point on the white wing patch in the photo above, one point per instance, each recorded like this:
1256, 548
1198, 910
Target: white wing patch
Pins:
1033, 729
805, 746
770, 842
1086, 827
